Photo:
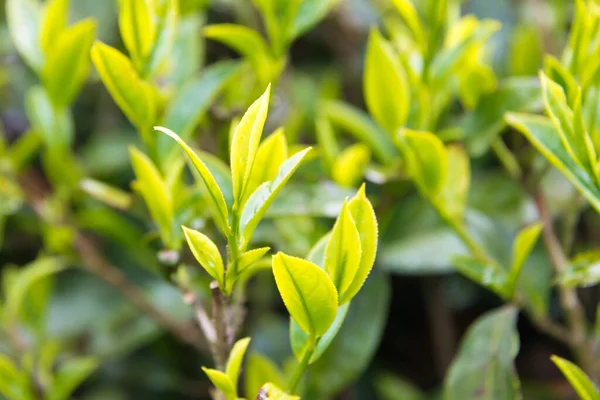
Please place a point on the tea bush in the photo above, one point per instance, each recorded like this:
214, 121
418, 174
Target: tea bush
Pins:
179, 176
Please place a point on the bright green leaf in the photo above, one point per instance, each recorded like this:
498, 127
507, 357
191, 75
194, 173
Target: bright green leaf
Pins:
56, 126
308, 293
153, 188
207, 254
578, 379
342, 254
138, 29
108, 194
70, 56
272, 392
14, 384
521, 248
409, 15
349, 166
236, 357
386, 88
272, 152
427, 159
244, 146
135, 97
261, 370
54, 22
300, 339
221, 382
70, 375
544, 137
216, 196
263, 196
454, 193
248, 258
364, 217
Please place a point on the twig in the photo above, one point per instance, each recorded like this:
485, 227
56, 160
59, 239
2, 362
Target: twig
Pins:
574, 311
219, 322
93, 261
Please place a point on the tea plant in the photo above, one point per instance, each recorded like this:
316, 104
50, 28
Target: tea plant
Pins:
218, 253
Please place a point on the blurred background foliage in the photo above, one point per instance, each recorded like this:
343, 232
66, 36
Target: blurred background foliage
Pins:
403, 330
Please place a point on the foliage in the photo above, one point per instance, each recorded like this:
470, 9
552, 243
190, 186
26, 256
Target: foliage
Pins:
197, 162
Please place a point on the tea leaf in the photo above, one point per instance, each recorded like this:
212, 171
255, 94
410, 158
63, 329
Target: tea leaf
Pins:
259, 202
221, 382
349, 166
108, 194
259, 371
522, 247
309, 13
250, 257
155, 193
486, 274
235, 360
272, 152
14, 384
385, 86
70, 56
409, 15
544, 137
206, 253
299, 339
219, 206
308, 293
328, 146
54, 22
55, 126
427, 159
577, 378
245, 144
364, 217
70, 375
484, 367
359, 125
342, 254
135, 97
23, 19
454, 193
138, 29
272, 392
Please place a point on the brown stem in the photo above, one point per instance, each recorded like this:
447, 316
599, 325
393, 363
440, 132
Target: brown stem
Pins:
574, 311
219, 311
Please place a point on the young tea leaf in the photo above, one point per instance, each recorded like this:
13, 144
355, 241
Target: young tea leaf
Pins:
454, 193
364, 217
577, 378
216, 196
244, 146
272, 152
261, 370
138, 29
235, 360
207, 254
54, 22
349, 166
221, 382
522, 247
386, 88
14, 384
70, 375
343, 252
23, 20
309, 295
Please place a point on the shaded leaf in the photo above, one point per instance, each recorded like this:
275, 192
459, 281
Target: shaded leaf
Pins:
261, 370
70, 375
23, 18
521, 248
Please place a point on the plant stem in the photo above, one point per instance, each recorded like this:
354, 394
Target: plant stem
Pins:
220, 323
574, 311
302, 365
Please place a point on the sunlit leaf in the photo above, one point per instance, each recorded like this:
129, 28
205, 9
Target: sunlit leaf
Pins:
454, 193
261, 370
582, 384
349, 166
272, 152
308, 293
138, 28
14, 384
522, 247
236, 356
207, 254
54, 22
221, 382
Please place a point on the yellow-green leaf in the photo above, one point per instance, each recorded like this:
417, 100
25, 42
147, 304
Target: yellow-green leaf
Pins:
250, 257
343, 252
235, 360
426, 158
221, 382
455, 191
106, 193
309, 295
349, 166
54, 22
262, 198
271, 392
577, 142
153, 188
385, 85
138, 29
135, 97
259, 371
216, 195
582, 384
14, 383
206, 253
411, 18
365, 220
244, 145
328, 146
272, 152
67, 65
521, 248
